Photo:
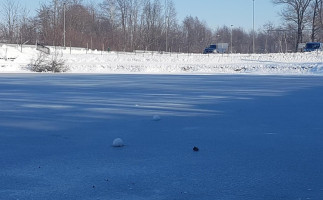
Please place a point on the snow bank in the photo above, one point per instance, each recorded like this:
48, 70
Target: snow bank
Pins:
15, 59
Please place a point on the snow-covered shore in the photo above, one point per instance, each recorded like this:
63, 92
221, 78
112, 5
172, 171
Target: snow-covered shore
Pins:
82, 61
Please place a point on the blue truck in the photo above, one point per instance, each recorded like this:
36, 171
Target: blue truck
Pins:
313, 46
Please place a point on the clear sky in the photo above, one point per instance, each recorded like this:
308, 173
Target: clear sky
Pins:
238, 13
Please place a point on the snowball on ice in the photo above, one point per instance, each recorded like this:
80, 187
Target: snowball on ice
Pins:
118, 142
156, 117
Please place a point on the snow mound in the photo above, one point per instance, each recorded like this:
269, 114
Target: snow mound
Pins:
156, 118
118, 142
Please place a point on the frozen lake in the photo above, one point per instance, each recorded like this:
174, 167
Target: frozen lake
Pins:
260, 137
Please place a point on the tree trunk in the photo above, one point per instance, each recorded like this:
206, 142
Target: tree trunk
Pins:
314, 20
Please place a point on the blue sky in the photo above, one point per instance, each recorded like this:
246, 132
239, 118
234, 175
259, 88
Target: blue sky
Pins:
215, 12
230, 12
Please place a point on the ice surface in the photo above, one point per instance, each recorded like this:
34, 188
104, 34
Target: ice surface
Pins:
260, 137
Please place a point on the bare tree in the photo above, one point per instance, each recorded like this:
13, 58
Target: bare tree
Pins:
197, 34
294, 12
9, 11
109, 23
122, 8
134, 7
151, 25
319, 21
27, 28
170, 22
49, 19
316, 18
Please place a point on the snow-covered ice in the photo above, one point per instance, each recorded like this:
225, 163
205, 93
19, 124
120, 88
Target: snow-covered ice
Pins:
55, 131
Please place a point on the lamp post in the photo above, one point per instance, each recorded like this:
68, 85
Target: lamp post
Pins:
253, 26
217, 38
231, 37
64, 26
166, 25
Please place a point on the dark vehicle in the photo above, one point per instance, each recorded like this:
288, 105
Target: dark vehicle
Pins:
216, 48
313, 46
210, 49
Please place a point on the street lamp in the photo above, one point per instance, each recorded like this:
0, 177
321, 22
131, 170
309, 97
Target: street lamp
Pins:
64, 26
217, 38
231, 37
166, 24
253, 26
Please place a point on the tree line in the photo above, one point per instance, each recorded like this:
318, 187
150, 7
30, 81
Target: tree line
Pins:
152, 25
